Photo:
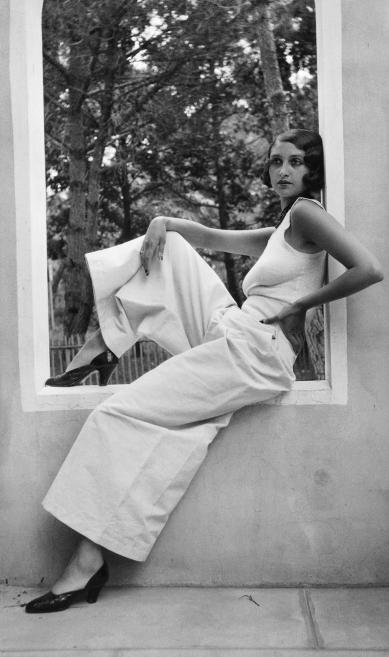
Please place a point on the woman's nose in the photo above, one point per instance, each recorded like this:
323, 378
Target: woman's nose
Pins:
284, 169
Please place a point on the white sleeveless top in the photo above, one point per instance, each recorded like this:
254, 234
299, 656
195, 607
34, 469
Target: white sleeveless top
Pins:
282, 274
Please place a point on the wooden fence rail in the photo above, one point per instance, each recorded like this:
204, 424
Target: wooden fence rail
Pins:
141, 358
144, 356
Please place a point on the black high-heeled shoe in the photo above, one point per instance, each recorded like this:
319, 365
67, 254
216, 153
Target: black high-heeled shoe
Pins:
104, 364
50, 602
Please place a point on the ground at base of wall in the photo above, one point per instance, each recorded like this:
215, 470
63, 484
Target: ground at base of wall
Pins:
202, 622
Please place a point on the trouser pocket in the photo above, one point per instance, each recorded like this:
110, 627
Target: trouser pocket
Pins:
277, 334
271, 329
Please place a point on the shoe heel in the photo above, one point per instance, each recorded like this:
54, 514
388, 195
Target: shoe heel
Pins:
93, 594
105, 373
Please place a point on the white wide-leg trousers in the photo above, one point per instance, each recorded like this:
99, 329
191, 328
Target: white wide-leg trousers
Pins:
139, 450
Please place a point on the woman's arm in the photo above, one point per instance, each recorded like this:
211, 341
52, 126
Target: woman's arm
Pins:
244, 242
315, 225
362, 268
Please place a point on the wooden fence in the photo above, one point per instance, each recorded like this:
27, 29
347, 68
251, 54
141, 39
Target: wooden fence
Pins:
144, 356
141, 358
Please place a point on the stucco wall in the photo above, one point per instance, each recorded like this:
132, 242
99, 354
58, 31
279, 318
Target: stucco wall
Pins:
288, 494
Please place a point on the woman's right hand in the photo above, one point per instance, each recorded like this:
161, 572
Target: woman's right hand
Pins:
153, 243
292, 323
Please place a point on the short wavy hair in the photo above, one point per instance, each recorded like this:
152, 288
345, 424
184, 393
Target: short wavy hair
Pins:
311, 143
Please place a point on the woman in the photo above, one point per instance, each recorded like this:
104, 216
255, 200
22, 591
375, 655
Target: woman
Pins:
139, 449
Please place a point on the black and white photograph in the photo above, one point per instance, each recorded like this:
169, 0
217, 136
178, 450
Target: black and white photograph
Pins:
194, 454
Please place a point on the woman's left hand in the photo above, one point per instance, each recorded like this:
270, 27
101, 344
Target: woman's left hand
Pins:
153, 243
292, 324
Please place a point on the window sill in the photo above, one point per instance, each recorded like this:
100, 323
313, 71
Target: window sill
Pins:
88, 397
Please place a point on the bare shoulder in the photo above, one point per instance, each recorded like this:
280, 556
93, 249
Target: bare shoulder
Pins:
319, 227
304, 208
309, 217
314, 224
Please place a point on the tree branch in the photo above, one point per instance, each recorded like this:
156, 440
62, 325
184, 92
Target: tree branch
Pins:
56, 141
54, 101
58, 276
57, 64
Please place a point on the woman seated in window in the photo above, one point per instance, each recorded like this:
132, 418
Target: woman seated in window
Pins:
138, 450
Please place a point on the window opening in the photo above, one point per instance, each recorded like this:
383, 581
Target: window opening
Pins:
134, 129
26, 86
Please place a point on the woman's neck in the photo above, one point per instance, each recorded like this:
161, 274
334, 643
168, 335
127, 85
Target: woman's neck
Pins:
284, 211
287, 203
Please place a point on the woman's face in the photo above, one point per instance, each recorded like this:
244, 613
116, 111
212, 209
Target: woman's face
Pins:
287, 170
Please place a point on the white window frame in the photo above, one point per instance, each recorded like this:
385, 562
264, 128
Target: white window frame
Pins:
29, 163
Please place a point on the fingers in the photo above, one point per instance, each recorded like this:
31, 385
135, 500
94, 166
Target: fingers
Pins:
148, 252
270, 320
144, 257
161, 247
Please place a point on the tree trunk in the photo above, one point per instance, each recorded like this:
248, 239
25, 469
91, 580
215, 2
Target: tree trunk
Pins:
102, 136
85, 182
224, 220
127, 230
78, 289
278, 107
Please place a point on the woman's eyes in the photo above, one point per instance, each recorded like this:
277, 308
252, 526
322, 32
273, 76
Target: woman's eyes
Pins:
295, 161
